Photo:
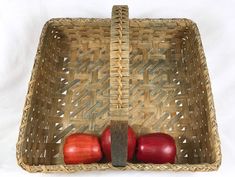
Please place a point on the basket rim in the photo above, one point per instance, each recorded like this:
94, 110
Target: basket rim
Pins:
204, 167
130, 166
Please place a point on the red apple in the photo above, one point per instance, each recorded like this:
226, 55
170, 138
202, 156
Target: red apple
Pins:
106, 143
81, 148
156, 148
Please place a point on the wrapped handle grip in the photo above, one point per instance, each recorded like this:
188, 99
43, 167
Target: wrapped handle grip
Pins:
119, 84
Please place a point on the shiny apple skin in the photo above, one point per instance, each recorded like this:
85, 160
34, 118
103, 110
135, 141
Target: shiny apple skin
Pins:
156, 148
81, 148
106, 143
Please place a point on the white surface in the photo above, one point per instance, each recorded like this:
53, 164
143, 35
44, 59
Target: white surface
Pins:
20, 26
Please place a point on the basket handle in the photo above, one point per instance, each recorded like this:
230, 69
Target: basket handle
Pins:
119, 84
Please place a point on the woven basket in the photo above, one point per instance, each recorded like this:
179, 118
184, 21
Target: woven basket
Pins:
149, 72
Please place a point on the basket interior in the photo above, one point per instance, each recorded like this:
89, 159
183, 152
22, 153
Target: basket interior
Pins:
71, 90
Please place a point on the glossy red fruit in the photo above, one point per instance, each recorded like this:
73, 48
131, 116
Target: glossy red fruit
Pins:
106, 143
81, 148
156, 148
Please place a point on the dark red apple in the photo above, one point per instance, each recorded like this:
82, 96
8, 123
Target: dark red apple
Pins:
106, 143
81, 148
156, 148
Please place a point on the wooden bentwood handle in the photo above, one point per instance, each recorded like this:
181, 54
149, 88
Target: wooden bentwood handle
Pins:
119, 84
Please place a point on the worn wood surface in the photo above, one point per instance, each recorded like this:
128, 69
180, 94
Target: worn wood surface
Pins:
119, 143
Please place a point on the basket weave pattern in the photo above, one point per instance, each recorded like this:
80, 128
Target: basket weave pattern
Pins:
69, 91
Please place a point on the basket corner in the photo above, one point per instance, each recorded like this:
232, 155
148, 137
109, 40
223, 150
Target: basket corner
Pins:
190, 22
23, 165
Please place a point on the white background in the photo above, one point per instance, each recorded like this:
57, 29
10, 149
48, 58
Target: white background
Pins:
20, 26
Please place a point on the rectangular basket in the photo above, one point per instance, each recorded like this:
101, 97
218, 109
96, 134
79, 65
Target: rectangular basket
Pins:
168, 91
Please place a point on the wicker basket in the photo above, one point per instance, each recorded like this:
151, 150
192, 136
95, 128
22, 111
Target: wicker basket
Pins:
149, 72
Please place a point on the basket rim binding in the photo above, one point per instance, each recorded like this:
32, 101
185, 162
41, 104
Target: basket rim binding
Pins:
130, 166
